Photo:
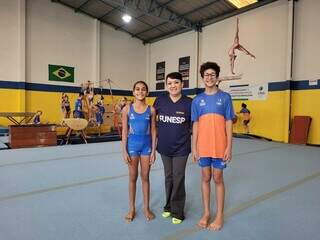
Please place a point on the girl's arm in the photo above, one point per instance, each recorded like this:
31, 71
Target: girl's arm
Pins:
153, 135
125, 154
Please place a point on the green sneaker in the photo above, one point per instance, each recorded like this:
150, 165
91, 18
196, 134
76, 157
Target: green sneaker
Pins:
166, 214
176, 221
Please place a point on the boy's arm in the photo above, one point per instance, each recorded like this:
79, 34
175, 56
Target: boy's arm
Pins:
195, 156
228, 151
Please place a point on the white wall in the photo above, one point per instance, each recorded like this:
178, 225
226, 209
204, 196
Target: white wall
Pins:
56, 35
263, 32
307, 38
9, 40
123, 58
170, 50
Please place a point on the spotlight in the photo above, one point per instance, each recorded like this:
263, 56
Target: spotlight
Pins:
126, 18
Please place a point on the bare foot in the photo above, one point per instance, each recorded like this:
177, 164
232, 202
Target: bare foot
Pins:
217, 224
203, 222
148, 214
130, 216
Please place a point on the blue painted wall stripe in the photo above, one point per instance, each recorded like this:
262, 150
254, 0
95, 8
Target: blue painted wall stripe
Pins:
12, 85
273, 86
279, 86
304, 85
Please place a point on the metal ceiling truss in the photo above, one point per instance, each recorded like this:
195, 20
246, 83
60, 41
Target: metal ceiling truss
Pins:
155, 9
161, 10
82, 5
151, 11
207, 21
123, 10
198, 26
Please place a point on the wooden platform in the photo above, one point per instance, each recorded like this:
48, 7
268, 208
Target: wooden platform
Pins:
21, 136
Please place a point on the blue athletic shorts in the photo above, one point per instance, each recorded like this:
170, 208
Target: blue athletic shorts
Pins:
139, 145
212, 162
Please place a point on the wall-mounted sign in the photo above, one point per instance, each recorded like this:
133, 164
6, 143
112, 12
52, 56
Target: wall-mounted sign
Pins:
184, 69
247, 91
160, 75
313, 82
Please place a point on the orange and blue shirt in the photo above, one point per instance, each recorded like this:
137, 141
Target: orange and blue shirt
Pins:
211, 112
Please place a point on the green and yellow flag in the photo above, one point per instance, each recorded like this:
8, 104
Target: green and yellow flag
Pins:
61, 73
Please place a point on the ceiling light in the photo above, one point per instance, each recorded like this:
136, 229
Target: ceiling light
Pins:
242, 3
126, 18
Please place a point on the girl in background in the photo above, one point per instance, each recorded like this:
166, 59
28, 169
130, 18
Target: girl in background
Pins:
65, 105
246, 117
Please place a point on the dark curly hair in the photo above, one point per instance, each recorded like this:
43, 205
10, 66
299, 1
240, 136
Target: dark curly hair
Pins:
209, 65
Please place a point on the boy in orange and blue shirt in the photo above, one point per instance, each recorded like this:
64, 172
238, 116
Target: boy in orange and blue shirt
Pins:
212, 114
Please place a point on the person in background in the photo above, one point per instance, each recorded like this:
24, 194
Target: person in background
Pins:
100, 110
246, 117
65, 105
36, 119
118, 114
78, 109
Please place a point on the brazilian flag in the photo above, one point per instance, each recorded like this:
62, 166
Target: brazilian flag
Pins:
61, 73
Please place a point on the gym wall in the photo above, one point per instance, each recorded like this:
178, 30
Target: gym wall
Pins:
265, 32
37, 33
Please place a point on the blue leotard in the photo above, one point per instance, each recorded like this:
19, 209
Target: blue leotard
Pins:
139, 138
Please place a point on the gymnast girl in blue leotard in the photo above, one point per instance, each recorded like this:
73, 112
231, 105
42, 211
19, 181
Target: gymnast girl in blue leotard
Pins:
139, 145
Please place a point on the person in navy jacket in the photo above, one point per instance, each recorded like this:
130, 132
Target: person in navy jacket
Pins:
174, 144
